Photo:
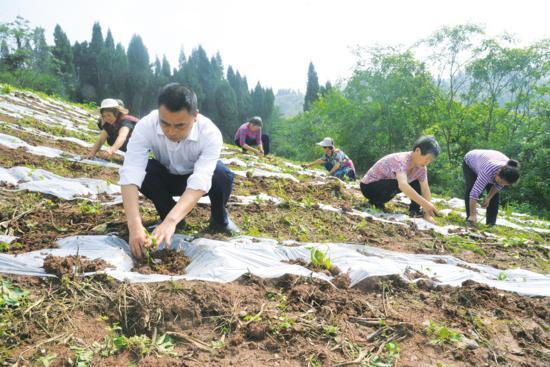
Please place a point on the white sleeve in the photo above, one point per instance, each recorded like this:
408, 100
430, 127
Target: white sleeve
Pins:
204, 167
132, 171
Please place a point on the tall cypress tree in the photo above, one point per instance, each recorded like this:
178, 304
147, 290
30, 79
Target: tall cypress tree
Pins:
165, 69
120, 75
312, 91
105, 66
139, 74
226, 107
63, 53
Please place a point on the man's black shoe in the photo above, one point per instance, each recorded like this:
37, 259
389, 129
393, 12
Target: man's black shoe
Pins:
230, 228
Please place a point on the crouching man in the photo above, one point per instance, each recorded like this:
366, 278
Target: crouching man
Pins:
174, 151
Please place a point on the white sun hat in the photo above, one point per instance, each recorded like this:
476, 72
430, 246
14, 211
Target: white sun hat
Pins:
109, 103
326, 142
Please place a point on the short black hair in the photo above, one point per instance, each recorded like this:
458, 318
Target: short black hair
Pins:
427, 145
510, 172
176, 97
256, 120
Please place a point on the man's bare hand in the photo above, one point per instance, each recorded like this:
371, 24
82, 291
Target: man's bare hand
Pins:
164, 232
138, 242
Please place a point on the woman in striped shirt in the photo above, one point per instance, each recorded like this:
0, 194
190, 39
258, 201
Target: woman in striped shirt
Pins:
486, 170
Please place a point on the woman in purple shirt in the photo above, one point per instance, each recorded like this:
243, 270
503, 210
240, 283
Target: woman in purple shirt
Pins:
249, 137
486, 170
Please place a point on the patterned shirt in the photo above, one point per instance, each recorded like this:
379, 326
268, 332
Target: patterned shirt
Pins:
244, 132
486, 164
387, 168
340, 157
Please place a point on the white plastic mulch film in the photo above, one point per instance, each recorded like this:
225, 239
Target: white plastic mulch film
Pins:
39, 180
14, 142
225, 261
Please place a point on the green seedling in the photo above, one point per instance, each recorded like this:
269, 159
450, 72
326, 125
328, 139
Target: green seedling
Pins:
252, 318
6, 246
442, 334
87, 207
319, 258
11, 296
502, 276
330, 330
217, 344
139, 345
285, 324
83, 357
148, 257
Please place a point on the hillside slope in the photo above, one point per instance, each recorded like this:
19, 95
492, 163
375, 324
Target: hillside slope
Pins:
420, 295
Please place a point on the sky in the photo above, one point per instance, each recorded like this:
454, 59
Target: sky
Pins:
274, 41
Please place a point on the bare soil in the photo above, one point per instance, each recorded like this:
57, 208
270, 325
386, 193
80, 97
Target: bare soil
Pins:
165, 261
72, 265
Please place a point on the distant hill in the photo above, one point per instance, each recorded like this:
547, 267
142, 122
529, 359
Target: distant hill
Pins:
289, 102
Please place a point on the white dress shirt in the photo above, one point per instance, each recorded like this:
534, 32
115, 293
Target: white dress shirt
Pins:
197, 154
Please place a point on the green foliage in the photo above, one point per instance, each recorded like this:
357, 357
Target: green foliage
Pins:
283, 324
441, 334
6, 89
468, 90
330, 330
5, 246
456, 243
88, 207
46, 360
11, 296
312, 90
319, 259
139, 345
83, 356
90, 71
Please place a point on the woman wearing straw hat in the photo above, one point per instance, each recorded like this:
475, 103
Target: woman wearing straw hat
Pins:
116, 127
336, 162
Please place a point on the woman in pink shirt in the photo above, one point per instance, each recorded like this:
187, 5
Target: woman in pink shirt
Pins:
249, 137
403, 172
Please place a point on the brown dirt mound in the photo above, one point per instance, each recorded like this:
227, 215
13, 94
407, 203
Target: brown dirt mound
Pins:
72, 265
293, 320
165, 261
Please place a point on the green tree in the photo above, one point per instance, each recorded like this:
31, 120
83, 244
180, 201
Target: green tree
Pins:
139, 74
63, 53
226, 105
312, 90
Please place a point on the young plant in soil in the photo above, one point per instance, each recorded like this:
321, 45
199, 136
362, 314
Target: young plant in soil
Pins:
442, 334
320, 259
148, 257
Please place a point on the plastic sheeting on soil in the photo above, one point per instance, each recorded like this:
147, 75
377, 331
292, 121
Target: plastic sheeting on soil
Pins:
49, 112
13, 142
39, 180
40, 133
225, 261
6, 238
257, 172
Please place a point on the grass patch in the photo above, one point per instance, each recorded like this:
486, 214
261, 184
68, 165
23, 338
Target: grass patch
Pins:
458, 244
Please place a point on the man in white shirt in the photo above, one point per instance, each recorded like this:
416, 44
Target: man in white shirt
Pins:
186, 147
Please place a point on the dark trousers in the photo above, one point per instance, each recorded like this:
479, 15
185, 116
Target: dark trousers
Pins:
266, 141
381, 191
470, 178
160, 186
